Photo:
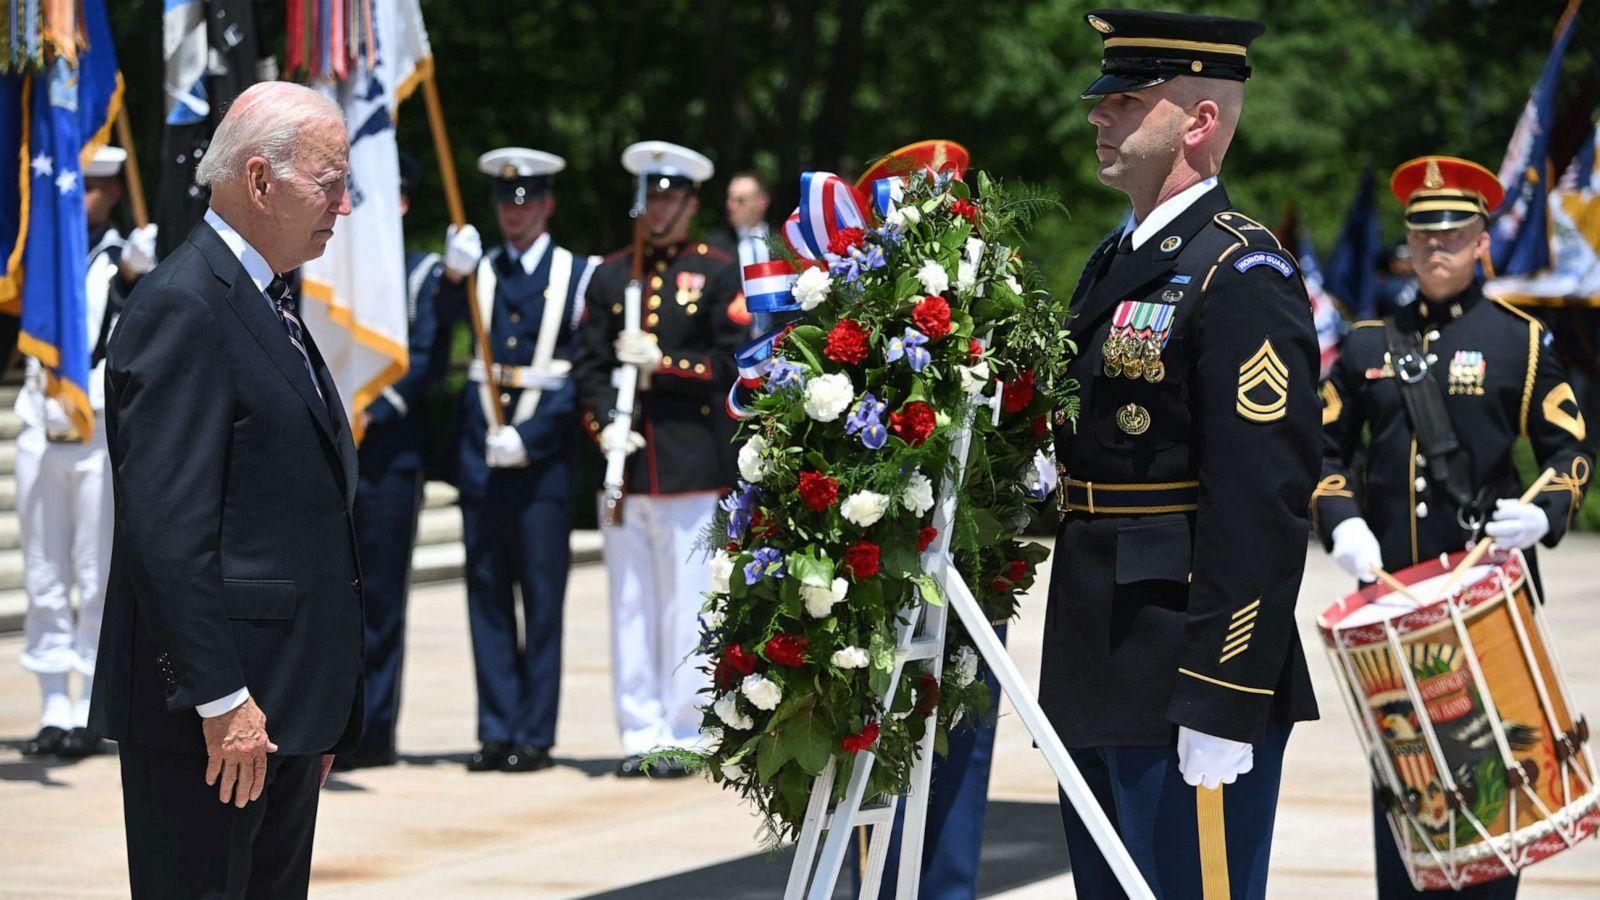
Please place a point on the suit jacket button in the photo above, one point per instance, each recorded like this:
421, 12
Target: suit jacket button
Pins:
355, 585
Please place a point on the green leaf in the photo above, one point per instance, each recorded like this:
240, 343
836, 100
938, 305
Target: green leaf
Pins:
809, 741
899, 560
811, 570
771, 754
989, 529
808, 338
906, 286
956, 238
929, 588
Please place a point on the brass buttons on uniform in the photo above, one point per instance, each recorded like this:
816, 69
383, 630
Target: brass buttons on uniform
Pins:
505, 398
616, 309
511, 342
1133, 419
690, 309
655, 301
651, 321
515, 318
656, 282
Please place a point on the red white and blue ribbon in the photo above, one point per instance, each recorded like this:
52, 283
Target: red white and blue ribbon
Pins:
886, 194
828, 205
769, 286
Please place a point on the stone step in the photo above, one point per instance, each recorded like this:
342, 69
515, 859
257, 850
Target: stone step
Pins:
440, 525
10, 424
437, 493
10, 531
11, 567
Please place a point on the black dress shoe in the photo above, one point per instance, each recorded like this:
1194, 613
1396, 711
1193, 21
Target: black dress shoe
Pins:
79, 743
46, 743
376, 759
489, 758
527, 758
631, 767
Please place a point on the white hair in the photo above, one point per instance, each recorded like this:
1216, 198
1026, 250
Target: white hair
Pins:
266, 120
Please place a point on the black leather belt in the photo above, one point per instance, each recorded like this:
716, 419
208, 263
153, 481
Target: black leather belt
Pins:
1100, 498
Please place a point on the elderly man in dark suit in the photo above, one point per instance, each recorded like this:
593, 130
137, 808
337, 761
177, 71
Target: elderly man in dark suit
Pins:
230, 653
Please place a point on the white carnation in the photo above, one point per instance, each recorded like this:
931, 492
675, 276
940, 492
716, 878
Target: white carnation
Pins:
732, 771
935, 280
966, 276
964, 667
974, 250
918, 495
752, 467
904, 216
827, 397
721, 571
762, 693
851, 658
727, 709
820, 600
1011, 282
974, 378
864, 508
812, 287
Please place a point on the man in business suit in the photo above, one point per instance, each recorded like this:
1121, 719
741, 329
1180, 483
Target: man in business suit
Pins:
230, 652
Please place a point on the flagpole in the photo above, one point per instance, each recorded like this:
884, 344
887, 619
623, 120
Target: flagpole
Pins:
141, 216
458, 217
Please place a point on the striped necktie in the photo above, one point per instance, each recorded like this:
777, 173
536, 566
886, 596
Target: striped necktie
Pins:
286, 302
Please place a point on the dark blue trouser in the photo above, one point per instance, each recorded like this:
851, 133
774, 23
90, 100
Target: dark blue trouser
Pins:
512, 540
1161, 823
1395, 884
958, 805
387, 505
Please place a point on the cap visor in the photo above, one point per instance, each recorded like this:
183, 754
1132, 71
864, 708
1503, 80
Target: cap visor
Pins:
1122, 83
1439, 219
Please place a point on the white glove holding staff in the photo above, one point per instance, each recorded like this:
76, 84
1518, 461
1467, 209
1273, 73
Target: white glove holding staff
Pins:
504, 449
1209, 762
636, 348
462, 250
615, 437
1355, 549
139, 251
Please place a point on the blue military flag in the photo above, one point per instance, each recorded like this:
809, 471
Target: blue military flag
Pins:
1521, 240
1351, 274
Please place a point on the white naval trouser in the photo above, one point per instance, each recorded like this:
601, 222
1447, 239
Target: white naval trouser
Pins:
64, 502
658, 576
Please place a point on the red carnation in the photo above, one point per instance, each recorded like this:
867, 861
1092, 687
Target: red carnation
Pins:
966, 209
1040, 426
932, 317
735, 663
778, 341
925, 537
928, 695
1000, 585
861, 560
1018, 394
786, 650
913, 423
819, 491
1016, 570
847, 343
974, 351
844, 239
861, 740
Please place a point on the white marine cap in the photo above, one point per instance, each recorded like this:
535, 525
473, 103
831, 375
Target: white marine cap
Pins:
107, 162
519, 173
668, 165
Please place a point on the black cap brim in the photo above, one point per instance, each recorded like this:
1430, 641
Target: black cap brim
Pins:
1122, 83
1441, 219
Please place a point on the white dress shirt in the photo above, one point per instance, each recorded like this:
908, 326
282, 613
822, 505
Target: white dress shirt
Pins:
531, 257
1170, 209
752, 245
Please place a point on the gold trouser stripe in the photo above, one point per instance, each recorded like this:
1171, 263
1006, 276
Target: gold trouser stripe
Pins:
1175, 44
1213, 843
1227, 684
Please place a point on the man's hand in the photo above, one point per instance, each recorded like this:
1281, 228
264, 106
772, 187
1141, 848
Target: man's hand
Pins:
1517, 525
462, 250
1356, 550
139, 252
638, 348
615, 437
1209, 762
236, 749
504, 449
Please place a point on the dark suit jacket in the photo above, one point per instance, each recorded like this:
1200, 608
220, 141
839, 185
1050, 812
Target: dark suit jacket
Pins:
234, 562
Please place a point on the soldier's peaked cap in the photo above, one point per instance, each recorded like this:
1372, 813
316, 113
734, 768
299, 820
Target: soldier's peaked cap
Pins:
1144, 49
519, 174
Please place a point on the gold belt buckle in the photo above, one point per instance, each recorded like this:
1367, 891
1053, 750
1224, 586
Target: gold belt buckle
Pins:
1088, 487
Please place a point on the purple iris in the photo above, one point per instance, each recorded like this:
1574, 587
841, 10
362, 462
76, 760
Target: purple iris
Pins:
910, 346
889, 235
783, 374
849, 268
741, 509
866, 421
768, 561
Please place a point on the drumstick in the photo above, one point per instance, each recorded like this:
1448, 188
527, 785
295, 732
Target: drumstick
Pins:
1471, 559
1395, 584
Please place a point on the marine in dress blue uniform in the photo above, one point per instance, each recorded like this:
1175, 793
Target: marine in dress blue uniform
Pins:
517, 480
389, 497
1498, 380
1171, 667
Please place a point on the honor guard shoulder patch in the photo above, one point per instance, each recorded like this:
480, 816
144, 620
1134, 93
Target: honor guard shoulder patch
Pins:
1257, 258
1263, 386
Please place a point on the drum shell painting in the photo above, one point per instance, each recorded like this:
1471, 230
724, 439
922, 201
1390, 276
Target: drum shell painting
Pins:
1499, 610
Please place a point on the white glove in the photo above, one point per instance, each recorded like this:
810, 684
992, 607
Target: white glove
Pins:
1042, 480
614, 437
637, 348
462, 250
1355, 548
1210, 762
504, 449
139, 251
1517, 525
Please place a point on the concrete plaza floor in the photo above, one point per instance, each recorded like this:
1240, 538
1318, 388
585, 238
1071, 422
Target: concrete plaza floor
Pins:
427, 828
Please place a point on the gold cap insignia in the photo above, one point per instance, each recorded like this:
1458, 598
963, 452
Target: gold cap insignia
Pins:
1196, 66
1431, 179
1101, 25
509, 170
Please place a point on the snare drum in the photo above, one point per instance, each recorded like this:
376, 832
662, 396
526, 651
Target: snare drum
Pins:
1460, 703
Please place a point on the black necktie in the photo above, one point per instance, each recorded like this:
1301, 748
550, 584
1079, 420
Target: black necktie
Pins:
1125, 246
288, 312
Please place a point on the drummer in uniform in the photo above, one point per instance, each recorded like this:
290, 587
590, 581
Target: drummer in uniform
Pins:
1172, 670
64, 494
1481, 375
680, 461
517, 479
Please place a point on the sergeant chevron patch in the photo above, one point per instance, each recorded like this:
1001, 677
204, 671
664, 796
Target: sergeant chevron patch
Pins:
1264, 258
1263, 386
1240, 626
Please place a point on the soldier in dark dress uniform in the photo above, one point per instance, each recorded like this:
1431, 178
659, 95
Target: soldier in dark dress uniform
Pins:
517, 479
1498, 380
680, 461
1171, 669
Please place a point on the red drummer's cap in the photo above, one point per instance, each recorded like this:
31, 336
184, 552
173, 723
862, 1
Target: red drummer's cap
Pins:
936, 155
1442, 192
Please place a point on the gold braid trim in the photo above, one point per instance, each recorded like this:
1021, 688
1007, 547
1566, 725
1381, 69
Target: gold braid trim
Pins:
1572, 482
1533, 369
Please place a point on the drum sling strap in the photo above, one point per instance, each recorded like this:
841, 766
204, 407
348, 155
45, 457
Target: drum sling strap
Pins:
1449, 464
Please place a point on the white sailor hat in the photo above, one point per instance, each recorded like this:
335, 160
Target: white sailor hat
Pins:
519, 174
667, 165
107, 162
